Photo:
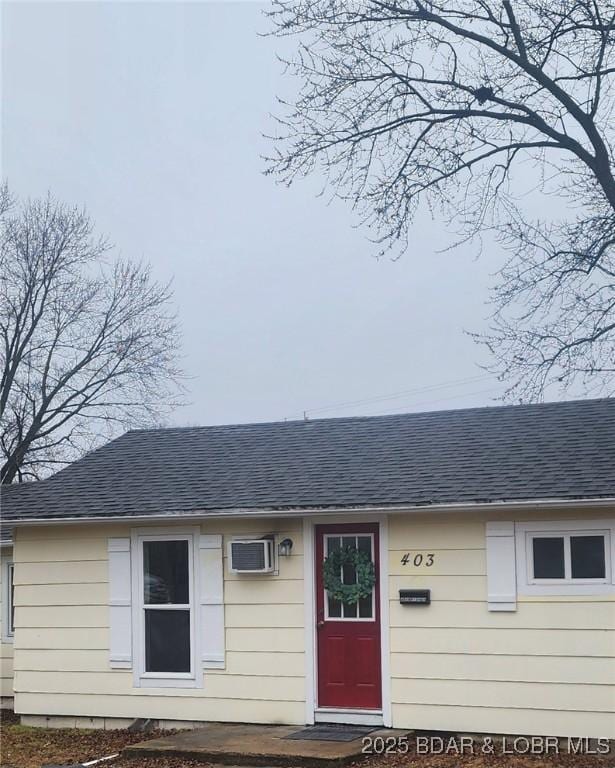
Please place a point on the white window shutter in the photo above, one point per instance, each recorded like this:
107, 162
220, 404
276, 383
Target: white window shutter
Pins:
501, 566
211, 601
120, 608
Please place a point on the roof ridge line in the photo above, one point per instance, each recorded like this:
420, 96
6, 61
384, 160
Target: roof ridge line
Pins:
374, 417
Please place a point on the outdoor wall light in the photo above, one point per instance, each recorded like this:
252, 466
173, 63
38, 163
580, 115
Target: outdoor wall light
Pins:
285, 547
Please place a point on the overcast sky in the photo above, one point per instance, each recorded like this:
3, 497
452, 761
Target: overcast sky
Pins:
152, 115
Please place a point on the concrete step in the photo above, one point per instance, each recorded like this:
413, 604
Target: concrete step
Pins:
255, 745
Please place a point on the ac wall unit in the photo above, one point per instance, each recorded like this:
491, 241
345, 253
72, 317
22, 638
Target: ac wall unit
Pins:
251, 556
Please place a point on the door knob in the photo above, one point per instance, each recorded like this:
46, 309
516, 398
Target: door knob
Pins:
320, 623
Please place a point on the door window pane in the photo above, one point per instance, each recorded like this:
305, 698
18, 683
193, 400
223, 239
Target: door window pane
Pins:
167, 641
165, 572
549, 557
349, 574
587, 557
334, 608
364, 544
333, 543
365, 608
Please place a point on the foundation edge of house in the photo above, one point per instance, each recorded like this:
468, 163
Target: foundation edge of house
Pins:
119, 723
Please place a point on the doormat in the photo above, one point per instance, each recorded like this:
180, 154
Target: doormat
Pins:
331, 732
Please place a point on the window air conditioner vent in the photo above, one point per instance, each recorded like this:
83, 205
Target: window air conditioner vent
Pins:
251, 556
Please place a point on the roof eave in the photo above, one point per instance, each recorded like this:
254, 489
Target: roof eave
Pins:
268, 512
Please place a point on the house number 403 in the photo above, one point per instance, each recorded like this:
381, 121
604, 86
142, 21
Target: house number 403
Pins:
418, 560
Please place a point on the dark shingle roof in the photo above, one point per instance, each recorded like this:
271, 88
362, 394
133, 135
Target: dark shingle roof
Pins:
6, 491
560, 450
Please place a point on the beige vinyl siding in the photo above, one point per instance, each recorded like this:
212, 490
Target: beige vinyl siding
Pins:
495, 719
548, 668
62, 618
6, 649
162, 705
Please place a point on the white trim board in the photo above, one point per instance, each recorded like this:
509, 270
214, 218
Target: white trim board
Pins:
385, 625
349, 716
309, 613
7, 565
240, 512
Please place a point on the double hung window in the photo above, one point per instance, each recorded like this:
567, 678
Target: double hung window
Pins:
166, 608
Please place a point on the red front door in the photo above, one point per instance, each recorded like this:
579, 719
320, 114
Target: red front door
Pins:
348, 635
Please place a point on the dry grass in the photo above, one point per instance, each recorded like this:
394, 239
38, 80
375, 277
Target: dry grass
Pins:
24, 747
412, 760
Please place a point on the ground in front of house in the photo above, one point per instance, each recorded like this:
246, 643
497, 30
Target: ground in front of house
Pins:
25, 747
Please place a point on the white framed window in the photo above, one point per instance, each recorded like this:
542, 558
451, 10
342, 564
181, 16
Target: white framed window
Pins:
579, 557
8, 601
566, 558
165, 608
365, 608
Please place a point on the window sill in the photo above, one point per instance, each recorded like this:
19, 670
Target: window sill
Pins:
167, 682
566, 590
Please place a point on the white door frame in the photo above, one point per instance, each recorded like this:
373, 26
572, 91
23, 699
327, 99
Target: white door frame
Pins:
359, 717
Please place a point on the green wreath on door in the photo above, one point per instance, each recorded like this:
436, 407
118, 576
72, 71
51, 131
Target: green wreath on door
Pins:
364, 568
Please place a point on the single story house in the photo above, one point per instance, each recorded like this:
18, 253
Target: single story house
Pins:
451, 571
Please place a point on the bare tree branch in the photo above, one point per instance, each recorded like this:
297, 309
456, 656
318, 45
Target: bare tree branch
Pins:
87, 347
439, 103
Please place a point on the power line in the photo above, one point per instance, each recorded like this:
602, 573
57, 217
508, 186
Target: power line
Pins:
442, 400
400, 393
343, 404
